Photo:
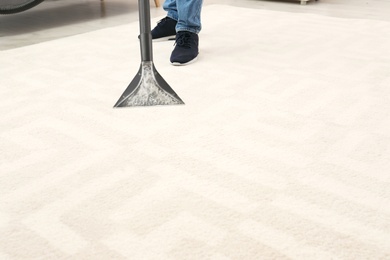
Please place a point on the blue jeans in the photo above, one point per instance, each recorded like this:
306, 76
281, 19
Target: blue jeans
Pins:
186, 13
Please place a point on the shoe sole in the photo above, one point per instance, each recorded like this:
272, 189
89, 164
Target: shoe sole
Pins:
183, 64
166, 38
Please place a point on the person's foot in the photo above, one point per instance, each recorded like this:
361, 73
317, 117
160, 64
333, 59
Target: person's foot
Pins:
165, 29
186, 48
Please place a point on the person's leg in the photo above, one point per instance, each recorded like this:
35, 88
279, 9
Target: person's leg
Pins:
188, 26
171, 7
188, 15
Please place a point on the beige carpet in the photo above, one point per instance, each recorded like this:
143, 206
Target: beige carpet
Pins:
282, 150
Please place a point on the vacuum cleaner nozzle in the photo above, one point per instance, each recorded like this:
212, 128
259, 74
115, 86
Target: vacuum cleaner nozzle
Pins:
148, 88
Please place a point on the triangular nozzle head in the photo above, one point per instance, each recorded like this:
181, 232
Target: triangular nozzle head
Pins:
148, 88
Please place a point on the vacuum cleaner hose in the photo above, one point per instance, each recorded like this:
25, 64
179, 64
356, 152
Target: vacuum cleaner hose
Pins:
17, 6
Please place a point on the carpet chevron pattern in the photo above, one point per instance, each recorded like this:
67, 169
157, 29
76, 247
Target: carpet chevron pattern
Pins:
282, 150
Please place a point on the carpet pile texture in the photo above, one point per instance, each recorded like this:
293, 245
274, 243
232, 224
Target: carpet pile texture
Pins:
282, 150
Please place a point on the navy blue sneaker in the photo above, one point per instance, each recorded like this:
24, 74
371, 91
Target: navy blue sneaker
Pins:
165, 29
186, 48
